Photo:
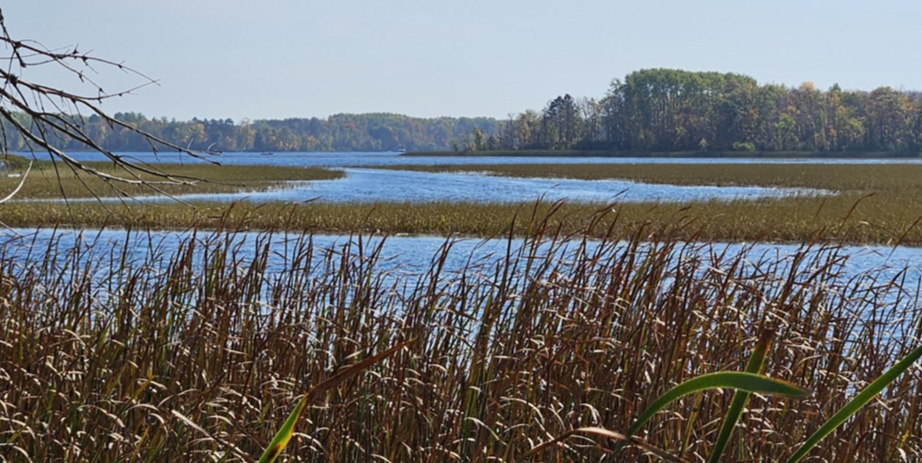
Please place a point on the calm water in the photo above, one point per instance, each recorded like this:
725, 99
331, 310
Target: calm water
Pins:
367, 184
374, 185
410, 256
353, 159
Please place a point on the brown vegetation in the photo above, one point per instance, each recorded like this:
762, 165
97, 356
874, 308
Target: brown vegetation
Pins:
200, 355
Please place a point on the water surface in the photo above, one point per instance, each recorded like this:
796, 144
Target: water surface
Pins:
378, 185
413, 255
370, 159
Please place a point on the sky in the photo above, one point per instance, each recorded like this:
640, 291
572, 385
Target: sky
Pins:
304, 58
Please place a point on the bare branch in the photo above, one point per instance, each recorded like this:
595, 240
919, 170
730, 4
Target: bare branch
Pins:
50, 117
21, 183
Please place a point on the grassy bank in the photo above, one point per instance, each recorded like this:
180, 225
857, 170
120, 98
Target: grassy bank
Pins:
47, 181
200, 354
879, 178
847, 218
876, 204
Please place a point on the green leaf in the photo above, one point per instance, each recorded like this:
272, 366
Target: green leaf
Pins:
756, 364
749, 382
284, 435
856, 404
274, 449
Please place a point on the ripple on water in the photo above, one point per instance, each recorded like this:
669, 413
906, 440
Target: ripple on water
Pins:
379, 185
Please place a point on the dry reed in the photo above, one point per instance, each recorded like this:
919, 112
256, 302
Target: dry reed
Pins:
199, 352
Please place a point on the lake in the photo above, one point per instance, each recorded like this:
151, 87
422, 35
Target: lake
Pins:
366, 184
410, 255
371, 159
405, 259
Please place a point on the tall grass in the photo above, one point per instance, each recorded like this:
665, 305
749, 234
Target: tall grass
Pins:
876, 204
836, 177
50, 181
200, 352
851, 218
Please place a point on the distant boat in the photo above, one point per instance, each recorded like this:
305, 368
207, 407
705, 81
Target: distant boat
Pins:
267, 153
401, 150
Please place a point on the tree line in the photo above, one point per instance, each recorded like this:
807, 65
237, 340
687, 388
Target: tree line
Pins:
341, 132
651, 110
666, 110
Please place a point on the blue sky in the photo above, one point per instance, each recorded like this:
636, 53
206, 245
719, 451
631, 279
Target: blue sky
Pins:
302, 58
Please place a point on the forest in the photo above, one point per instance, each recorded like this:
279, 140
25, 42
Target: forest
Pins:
666, 110
340, 132
649, 111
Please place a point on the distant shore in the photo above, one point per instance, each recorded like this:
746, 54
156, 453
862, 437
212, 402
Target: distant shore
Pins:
567, 153
665, 154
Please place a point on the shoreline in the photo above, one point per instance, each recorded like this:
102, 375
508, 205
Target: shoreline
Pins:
784, 221
667, 154
577, 154
829, 242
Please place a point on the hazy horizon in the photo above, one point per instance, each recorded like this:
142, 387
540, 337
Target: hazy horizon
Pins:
281, 58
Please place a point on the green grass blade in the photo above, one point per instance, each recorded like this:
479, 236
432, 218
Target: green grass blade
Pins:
284, 435
274, 449
749, 382
755, 365
856, 404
